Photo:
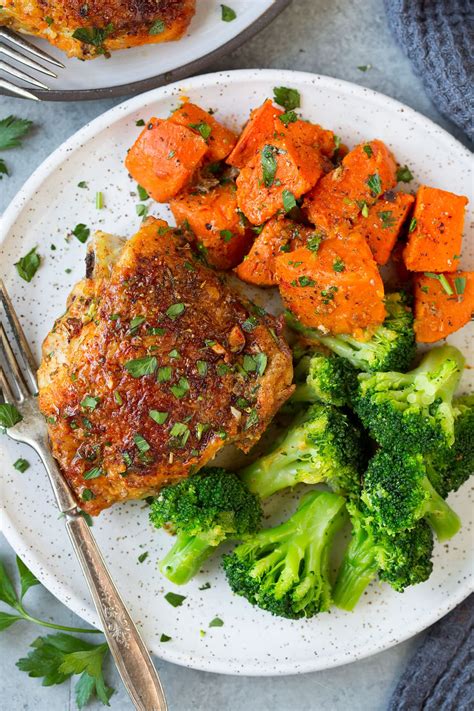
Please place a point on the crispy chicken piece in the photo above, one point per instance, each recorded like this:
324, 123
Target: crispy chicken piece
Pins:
155, 366
88, 29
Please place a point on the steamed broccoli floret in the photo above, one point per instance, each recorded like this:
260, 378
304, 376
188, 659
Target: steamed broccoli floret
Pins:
321, 445
285, 570
412, 411
327, 379
401, 560
203, 510
391, 347
449, 468
398, 493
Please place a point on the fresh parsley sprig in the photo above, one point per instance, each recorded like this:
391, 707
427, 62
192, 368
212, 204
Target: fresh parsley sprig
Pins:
12, 130
55, 657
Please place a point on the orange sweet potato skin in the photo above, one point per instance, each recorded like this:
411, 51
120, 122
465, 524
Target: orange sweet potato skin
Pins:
164, 158
435, 243
259, 128
437, 314
324, 296
298, 169
211, 219
221, 140
279, 235
337, 198
382, 226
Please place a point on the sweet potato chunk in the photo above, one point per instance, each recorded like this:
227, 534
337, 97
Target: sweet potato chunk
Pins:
442, 305
282, 166
259, 128
434, 244
164, 158
220, 140
336, 289
311, 134
279, 235
215, 224
364, 174
384, 221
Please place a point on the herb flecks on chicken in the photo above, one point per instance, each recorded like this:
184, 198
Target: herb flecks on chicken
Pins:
154, 367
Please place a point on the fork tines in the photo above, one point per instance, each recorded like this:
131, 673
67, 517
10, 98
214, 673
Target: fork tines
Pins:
24, 378
18, 56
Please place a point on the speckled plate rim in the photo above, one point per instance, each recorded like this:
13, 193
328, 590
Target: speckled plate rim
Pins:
287, 77
172, 75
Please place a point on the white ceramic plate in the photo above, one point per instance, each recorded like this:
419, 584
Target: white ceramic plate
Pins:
49, 205
139, 69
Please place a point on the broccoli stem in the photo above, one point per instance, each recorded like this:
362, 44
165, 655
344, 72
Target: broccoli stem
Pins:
358, 568
443, 520
443, 366
304, 393
185, 558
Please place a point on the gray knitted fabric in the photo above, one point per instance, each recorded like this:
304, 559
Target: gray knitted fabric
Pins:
440, 675
438, 38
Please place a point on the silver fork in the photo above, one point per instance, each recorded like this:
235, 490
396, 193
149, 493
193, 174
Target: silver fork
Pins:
6, 50
19, 388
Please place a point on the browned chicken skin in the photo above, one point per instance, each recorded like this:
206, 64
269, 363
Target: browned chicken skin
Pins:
215, 371
100, 26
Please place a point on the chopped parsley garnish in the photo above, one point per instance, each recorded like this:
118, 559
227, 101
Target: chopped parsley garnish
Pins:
269, 164
289, 200
82, 232
314, 241
460, 285
412, 224
21, 465
93, 473
201, 428
364, 208
164, 374
250, 324
443, 281
28, 265
143, 556
140, 122
175, 599
387, 219
226, 235
375, 184
87, 495
249, 364
306, 281
141, 366
252, 419
159, 417
202, 128
174, 354
141, 210
118, 398
157, 28
288, 117
156, 331
206, 586
94, 35
227, 13
175, 311
261, 362
141, 443
82, 184
368, 150
3, 168
90, 402
181, 389
201, 366
364, 67
404, 174
288, 98
338, 265
216, 622
142, 193
180, 430
135, 323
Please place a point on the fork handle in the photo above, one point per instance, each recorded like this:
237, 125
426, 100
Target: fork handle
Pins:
127, 647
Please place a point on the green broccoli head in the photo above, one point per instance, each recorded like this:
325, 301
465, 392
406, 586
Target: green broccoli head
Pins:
391, 347
401, 560
321, 445
285, 570
398, 493
449, 468
412, 411
203, 510
327, 378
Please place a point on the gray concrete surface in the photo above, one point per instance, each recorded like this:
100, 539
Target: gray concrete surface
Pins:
330, 37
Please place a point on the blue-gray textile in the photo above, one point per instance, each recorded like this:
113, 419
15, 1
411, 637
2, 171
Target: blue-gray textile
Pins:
438, 38
440, 675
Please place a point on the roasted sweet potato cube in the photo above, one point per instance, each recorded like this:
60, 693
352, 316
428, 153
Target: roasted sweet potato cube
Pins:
212, 221
282, 166
164, 158
335, 289
220, 140
381, 224
258, 130
279, 235
311, 134
434, 244
444, 303
364, 174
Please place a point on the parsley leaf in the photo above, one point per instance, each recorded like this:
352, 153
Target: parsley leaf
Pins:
141, 443
202, 128
289, 200
142, 193
227, 13
12, 130
9, 416
95, 36
288, 117
216, 622
3, 168
28, 265
404, 174
159, 417
175, 599
82, 232
375, 184
21, 465
157, 28
460, 285
141, 366
269, 164
288, 98
175, 310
